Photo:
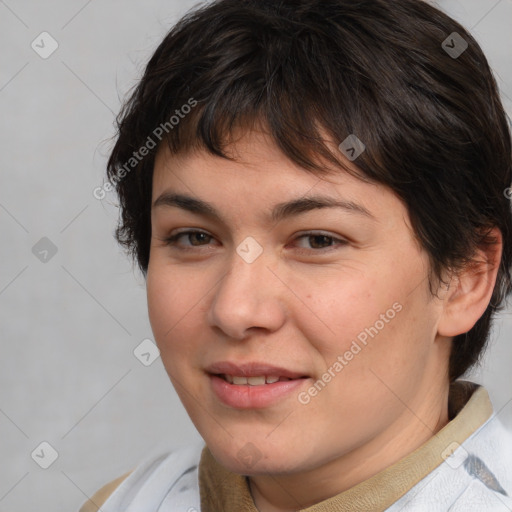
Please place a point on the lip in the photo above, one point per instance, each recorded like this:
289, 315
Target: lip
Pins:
252, 369
253, 397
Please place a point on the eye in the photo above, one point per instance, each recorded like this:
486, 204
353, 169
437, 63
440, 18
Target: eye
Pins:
317, 242
320, 241
191, 235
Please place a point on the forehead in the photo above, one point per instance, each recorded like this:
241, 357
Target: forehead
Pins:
260, 177
250, 152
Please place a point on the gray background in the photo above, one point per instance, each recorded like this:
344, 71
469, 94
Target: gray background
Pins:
68, 375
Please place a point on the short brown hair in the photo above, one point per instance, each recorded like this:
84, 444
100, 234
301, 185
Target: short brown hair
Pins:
433, 124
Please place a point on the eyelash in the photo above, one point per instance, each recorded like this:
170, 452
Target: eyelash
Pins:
171, 241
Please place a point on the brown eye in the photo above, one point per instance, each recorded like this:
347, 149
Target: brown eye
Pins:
319, 241
191, 236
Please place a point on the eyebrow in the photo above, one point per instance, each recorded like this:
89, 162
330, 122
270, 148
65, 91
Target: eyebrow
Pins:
279, 212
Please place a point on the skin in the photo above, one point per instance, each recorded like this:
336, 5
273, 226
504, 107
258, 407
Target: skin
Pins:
300, 305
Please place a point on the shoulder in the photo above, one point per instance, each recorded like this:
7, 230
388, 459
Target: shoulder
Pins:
95, 503
171, 476
476, 477
484, 464
489, 450
480, 497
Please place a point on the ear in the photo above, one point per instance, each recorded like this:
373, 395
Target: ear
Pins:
470, 290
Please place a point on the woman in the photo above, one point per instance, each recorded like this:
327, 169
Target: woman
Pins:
315, 192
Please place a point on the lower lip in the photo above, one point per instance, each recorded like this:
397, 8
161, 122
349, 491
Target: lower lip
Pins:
253, 397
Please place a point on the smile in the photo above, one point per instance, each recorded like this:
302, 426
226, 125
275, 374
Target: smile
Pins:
253, 381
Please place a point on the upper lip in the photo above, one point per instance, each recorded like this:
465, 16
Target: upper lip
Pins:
252, 369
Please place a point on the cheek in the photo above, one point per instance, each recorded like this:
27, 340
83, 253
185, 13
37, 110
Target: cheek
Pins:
380, 341
178, 298
370, 321
338, 314
172, 300
163, 303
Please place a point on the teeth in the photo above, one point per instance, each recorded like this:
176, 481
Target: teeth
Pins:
253, 381
256, 381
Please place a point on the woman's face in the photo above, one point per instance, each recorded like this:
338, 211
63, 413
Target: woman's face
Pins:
333, 301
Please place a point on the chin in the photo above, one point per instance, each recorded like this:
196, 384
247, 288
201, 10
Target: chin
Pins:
247, 459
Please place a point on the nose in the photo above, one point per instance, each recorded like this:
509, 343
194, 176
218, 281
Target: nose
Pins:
248, 297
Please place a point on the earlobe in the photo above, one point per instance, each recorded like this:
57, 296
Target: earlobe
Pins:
470, 290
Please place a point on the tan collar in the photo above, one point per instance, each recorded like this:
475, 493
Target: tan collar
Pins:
469, 406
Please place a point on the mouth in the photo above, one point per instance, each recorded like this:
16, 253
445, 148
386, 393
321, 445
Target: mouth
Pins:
252, 373
253, 385
260, 380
